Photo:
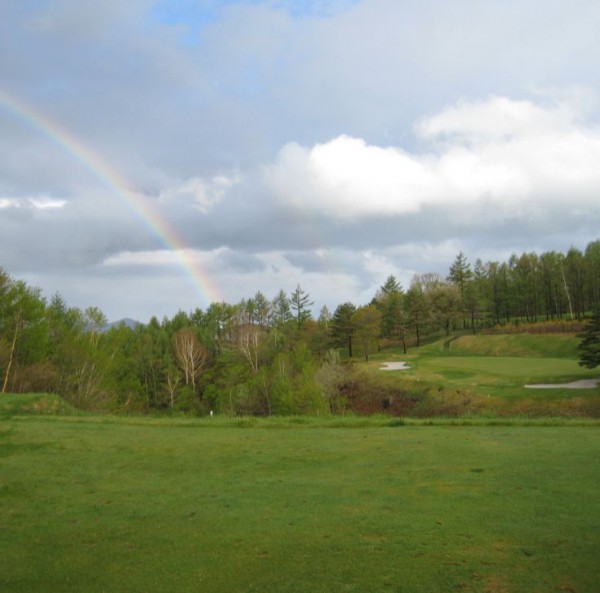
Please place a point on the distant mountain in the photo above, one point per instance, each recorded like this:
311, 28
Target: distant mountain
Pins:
127, 322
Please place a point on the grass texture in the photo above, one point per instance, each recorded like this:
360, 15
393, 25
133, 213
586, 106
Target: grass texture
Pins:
239, 506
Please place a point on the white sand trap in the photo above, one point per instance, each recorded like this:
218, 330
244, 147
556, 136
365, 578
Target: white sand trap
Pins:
582, 384
394, 366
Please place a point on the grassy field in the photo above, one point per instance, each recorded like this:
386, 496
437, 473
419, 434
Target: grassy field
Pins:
292, 505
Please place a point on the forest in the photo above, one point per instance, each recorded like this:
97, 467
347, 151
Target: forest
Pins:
273, 356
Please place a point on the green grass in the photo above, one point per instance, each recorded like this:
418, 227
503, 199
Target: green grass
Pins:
34, 403
247, 505
517, 345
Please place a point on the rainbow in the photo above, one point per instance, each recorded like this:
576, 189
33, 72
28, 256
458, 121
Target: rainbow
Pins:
112, 179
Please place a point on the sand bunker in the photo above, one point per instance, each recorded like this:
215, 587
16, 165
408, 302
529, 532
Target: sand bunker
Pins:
582, 384
394, 366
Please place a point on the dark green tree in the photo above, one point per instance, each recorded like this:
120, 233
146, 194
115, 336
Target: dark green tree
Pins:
390, 286
342, 326
460, 272
589, 347
281, 311
390, 300
367, 321
300, 303
416, 308
262, 309
592, 268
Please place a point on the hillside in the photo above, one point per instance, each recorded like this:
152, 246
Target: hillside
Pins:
482, 374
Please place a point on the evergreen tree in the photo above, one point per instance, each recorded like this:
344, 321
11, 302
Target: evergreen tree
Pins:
416, 308
460, 272
390, 286
389, 300
592, 268
589, 347
262, 308
300, 303
281, 311
342, 326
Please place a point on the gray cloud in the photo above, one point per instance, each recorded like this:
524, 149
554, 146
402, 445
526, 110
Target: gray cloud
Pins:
229, 120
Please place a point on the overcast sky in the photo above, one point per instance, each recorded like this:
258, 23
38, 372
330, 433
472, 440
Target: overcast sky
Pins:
157, 156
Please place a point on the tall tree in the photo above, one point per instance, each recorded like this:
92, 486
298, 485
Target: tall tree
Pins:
389, 300
574, 274
191, 355
592, 271
249, 342
390, 286
444, 301
300, 303
497, 274
24, 331
460, 272
416, 308
475, 299
262, 309
551, 285
589, 347
324, 317
342, 325
281, 311
367, 321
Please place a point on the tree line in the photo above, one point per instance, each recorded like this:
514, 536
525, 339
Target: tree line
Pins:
273, 356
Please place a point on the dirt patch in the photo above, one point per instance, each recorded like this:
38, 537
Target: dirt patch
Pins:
582, 384
394, 366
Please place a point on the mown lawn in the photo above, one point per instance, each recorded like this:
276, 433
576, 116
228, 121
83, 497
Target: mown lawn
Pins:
505, 376
103, 504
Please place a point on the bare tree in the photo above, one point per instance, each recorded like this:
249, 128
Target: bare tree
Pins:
12, 352
249, 342
191, 355
173, 378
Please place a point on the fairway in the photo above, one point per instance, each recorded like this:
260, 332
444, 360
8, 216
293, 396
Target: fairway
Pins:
514, 371
99, 504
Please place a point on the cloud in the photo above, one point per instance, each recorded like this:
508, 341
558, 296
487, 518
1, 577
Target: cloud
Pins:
501, 153
46, 203
498, 118
9, 203
204, 194
284, 143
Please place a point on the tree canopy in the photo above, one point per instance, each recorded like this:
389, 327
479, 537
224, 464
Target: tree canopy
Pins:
270, 355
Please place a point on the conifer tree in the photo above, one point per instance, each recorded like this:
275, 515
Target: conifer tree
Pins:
589, 347
300, 303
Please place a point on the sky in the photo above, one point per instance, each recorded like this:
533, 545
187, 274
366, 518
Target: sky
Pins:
157, 156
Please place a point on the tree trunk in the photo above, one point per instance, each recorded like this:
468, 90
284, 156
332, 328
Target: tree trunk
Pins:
12, 355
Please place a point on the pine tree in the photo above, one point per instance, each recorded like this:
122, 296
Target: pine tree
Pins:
300, 303
342, 327
460, 272
589, 347
281, 311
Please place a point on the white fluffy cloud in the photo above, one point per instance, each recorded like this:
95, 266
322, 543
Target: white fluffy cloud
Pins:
500, 151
